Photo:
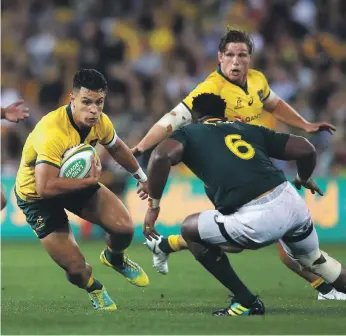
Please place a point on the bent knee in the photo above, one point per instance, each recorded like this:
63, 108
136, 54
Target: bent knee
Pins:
127, 226
189, 228
124, 225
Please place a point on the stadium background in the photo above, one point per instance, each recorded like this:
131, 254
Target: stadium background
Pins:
153, 53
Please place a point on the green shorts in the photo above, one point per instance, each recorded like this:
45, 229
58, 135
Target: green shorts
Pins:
48, 215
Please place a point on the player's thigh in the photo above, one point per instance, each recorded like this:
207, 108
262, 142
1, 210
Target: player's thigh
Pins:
189, 228
64, 250
264, 221
303, 241
212, 230
106, 209
44, 216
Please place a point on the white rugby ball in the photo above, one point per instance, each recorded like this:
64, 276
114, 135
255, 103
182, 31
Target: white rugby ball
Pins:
76, 162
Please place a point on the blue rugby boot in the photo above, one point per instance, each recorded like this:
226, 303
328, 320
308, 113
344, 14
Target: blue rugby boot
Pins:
129, 269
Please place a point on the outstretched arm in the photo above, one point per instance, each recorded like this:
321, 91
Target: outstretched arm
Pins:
302, 151
289, 116
15, 112
166, 155
170, 122
123, 155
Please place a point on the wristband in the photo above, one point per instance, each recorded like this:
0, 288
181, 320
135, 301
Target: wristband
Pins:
153, 203
140, 175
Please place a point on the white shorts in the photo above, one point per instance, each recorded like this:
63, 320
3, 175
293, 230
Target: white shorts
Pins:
281, 214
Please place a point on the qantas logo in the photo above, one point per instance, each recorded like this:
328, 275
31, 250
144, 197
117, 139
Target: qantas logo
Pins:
247, 119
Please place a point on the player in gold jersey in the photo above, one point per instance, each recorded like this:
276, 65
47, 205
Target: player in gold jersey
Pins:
249, 98
43, 196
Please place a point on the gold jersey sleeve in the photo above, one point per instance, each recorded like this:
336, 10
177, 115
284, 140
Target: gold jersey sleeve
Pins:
49, 145
207, 86
267, 119
263, 84
107, 132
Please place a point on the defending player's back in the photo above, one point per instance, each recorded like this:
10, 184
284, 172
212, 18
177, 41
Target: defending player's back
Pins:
240, 169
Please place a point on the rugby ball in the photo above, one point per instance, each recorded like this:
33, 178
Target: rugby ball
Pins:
76, 162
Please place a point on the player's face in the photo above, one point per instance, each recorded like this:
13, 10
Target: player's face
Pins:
87, 106
235, 61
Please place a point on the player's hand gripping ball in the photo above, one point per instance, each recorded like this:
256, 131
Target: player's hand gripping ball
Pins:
77, 160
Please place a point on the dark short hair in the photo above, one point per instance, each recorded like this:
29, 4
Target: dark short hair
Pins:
208, 104
91, 79
236, 36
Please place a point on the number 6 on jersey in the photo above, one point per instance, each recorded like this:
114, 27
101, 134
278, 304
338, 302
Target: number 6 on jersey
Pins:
234, 142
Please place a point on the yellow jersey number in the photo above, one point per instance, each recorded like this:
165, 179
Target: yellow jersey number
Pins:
234, 142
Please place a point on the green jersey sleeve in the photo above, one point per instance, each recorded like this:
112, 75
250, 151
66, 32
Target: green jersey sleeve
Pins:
179, 135
274, 142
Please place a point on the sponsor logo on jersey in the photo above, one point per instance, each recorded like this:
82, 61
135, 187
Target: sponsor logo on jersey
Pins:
253, 117
250, 101
247, 119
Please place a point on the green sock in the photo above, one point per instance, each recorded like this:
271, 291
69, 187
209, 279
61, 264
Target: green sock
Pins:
216, 262
116, 259
93, 284
165, 246
324, 288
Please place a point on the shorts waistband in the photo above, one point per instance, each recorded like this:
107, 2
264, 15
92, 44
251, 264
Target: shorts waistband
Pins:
268, 197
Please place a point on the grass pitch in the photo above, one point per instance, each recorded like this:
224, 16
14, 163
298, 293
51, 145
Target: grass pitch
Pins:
36, 298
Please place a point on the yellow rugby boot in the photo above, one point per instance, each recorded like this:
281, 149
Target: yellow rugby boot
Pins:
101, 300
129, 269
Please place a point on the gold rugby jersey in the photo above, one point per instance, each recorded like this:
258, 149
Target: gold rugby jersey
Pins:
243, 103
53, 135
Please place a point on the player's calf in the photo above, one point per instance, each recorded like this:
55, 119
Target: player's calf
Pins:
329, 269
78, 273
325, 289
215, 261
340, 283
304, 249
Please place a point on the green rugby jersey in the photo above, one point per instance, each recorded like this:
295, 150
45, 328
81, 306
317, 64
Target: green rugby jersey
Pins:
232, 159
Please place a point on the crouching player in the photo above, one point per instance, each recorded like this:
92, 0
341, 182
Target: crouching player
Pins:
43, 196
255, 205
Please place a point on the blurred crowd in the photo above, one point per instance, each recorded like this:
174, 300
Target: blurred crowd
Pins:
154, 52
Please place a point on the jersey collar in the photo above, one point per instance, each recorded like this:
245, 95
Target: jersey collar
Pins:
83, 133
207, 119
244, 88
